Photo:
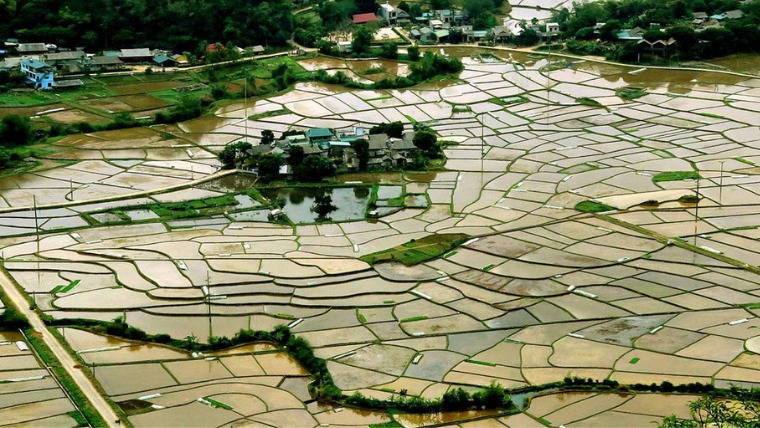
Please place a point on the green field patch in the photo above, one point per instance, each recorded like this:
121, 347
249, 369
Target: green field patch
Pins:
362, 319
590, 102
56, 289
268, 114
634, 360
592, 207
134, 407
391, 424
449, 254
71, 286
218, 403
713, 115
747, 161
630, 93
488, 267
418, 251
675, 176
391, 390
482, 363
731, 229
417, 318
388, 302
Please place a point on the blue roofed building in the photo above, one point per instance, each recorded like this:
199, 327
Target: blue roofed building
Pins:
315, 135
38, 74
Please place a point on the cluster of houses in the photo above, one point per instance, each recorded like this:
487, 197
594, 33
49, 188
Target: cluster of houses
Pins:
384, 152
41, 62
436, 26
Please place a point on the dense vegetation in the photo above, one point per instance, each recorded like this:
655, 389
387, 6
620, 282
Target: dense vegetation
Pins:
180, 25
673, 16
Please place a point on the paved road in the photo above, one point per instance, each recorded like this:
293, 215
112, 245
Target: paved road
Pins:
68, 363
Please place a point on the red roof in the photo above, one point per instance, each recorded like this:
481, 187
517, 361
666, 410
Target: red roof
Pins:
363, 18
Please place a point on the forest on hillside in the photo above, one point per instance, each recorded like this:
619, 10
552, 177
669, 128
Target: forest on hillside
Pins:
178, 25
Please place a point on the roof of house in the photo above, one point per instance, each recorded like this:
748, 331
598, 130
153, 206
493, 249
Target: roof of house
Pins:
258, 48
318, 133
161, 59
387, 6
111, 53
441, 33
404, 145
401, 13
135, 53
363, 18
311, 150
700, 15
377, 141
105, 60
182, 59
733, 14
31, 47
63, 56
444, 12
34, 64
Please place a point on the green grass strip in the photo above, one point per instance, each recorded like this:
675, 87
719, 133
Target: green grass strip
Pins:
592, 207
747, 161
676, 176
634, 360
417, 318
63, 377
284, 315
218, 403
71, 286
56, 289
488, 267
482, 363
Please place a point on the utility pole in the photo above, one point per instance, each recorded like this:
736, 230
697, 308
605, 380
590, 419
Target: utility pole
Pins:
720, 185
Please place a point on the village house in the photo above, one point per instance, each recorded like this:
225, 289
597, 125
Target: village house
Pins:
104, 63
363, 18
38, 74
391, 15
136, 55
31, 48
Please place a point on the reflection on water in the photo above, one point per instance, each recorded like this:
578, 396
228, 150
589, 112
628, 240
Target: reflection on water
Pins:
351, 202
230, 183
441, 418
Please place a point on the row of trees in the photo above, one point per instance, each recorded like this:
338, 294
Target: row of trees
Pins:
171, 24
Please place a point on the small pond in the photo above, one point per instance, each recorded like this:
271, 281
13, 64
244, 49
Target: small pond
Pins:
351, 202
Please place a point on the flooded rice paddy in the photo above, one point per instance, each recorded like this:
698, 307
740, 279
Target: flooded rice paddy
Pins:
540, 291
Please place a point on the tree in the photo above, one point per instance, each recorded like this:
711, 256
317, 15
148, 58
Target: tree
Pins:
362, 39
15, 131
440, 4
415, 10
267, 137
403, 6
479, 12
323, 206
610, 29
361, 147
234, 154
296, 156
313, 169
393, 129
413, 52
269, 166
425, 140
389, 50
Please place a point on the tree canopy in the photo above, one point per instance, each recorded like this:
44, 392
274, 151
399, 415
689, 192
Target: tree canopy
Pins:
180, 25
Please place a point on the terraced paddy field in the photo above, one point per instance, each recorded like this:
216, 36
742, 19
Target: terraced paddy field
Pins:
653, 278
29, 394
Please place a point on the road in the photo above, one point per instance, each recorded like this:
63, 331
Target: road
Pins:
67, 361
